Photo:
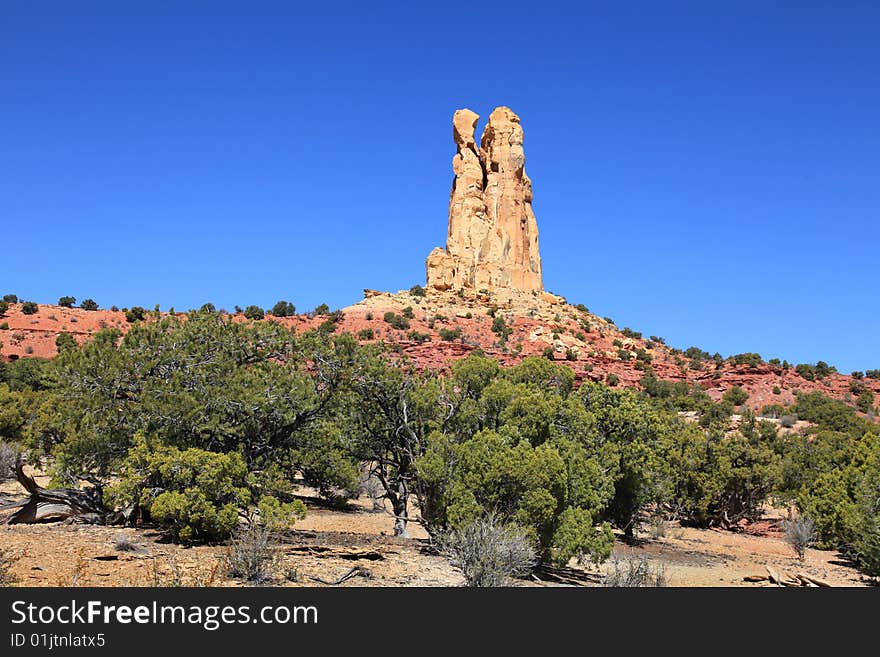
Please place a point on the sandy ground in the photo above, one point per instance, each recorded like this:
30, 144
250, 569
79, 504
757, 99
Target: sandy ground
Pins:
329, 543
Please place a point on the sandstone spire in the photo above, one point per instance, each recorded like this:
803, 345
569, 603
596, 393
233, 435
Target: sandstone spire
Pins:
492, 241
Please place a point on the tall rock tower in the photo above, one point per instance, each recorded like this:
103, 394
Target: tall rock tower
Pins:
492, 242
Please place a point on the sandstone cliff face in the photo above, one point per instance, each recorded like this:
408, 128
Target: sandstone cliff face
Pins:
492, 241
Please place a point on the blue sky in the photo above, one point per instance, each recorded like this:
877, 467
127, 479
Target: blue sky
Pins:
705, 172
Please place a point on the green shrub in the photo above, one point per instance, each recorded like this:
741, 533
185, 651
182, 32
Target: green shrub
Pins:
366, 334
397, 321
4, 306
736, 396
695, 353
89, 304
806, 371
750, 359
415, 336
283, 309
208, 308
322, 309
612, 379
628, 332
408, 312
29, 307
135, 314
449, 335
872, 374
417, 291
65, 341
192, 493
254, 312
67, 302
865, 401
10, 298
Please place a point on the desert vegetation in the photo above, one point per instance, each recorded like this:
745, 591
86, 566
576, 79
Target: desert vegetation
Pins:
204, 427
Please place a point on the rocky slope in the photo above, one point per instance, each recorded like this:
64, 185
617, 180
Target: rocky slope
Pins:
447, 326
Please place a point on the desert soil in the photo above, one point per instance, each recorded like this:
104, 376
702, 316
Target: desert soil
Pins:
330, 542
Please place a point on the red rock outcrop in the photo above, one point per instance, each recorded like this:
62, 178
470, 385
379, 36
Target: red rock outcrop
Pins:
492, 240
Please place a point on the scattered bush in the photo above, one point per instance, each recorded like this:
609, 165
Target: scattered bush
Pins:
366, 334
254, 312
488, 553
10, 298
251, 553
415, 336
800, 533
7, 559
750, 359
4, 306
787, 421
628, 332
135, 314
736, 396
321, 309
695, 353
872, 374
4, 326
208, 308
633, 572
283, 309
449, 335
408, 313
29, 307
8, 458
123, 543
67, 302
417, 291
89, 304
612, 379
397, 321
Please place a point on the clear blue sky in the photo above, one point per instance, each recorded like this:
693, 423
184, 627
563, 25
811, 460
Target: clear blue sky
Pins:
704, 173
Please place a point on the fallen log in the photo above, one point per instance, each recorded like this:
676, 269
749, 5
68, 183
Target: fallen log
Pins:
327, 552
51, 504
773, 576
814, 580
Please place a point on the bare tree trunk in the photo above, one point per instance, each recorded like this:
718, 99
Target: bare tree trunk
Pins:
399, 507
48, 504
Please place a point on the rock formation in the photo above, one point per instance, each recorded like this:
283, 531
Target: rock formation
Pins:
492, 242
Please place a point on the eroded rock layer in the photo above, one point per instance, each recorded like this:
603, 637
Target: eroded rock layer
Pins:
492, 242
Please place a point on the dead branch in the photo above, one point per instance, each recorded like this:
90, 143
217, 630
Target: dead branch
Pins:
356, 571
52, 504
813, 580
